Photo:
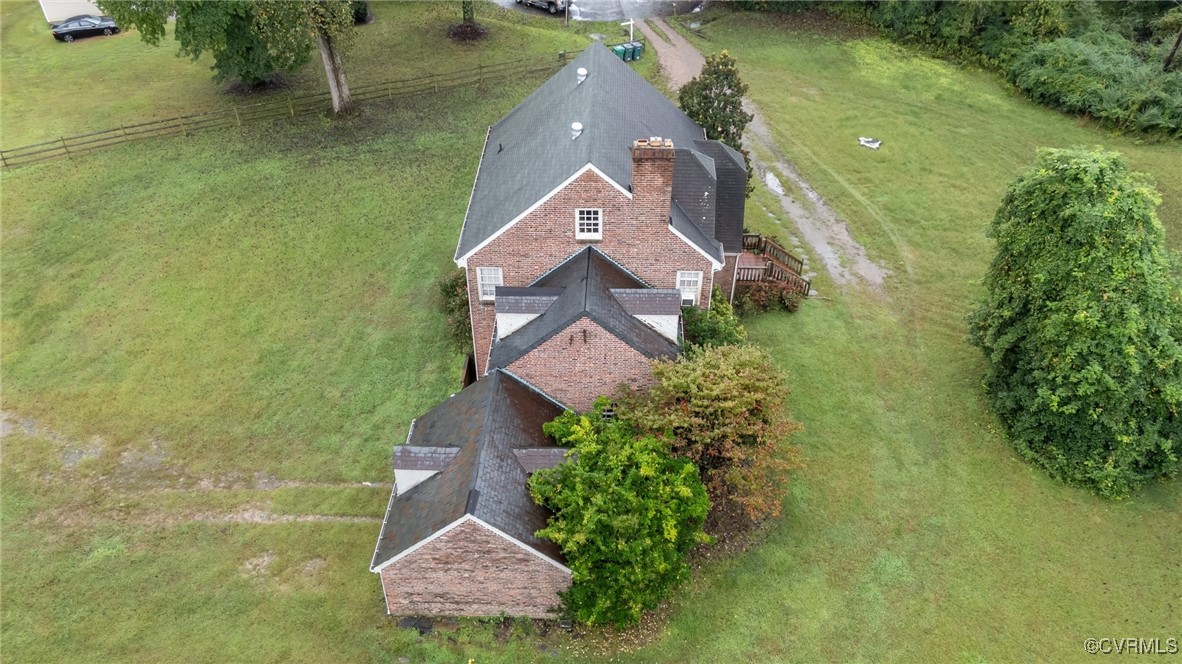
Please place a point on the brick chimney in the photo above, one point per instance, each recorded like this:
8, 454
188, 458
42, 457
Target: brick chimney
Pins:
652, 177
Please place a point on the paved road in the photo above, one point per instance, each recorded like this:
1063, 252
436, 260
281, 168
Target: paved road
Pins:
616, 10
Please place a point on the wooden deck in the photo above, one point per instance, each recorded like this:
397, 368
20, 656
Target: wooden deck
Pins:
765, 260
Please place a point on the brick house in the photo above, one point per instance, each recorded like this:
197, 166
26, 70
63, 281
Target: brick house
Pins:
598, 212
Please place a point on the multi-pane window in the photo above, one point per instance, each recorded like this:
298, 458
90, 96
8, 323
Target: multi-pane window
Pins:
690, 285
588, 224
487, 279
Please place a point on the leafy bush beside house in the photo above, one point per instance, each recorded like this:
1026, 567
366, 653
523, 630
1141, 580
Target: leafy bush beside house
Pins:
1081, 324
626, 515
716, 326
724, 408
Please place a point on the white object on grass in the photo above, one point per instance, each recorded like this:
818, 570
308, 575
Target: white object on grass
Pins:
871, 143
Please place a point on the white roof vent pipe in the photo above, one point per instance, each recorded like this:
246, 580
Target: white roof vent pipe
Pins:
580, 75
576, 128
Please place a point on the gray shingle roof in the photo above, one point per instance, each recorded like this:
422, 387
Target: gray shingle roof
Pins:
529, 152
587, 280
479, 429
649, 301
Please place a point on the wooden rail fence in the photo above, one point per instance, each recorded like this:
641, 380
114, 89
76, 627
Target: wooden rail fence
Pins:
292, 106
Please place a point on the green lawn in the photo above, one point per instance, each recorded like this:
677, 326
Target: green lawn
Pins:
915, 534
53, 89
237, 307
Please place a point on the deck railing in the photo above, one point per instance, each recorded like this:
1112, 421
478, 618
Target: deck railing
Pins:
779, 265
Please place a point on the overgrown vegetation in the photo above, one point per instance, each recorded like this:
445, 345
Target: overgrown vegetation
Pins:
1081, 324
1109, 60
715, 326
453, 296
726, 409
766, 296
626, 514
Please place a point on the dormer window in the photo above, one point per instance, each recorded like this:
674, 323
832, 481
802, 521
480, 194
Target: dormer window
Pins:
588, 224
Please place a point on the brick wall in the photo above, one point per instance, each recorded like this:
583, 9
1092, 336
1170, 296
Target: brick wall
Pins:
725, 280
636, 234
472, 571
583, 362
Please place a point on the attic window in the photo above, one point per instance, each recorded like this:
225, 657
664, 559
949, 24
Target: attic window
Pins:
588, 224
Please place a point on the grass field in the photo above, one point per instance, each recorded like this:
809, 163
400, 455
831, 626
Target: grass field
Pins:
915, 534
53, 89
246, 320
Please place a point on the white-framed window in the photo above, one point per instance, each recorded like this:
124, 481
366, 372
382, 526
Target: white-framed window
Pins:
690, 285
588, 224
487, 280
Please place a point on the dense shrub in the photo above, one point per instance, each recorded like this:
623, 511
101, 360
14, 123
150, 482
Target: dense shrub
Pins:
724, 408
626, 514
1081, 324
1102, 59
767, 296
716, 326
453, 295
1098, 74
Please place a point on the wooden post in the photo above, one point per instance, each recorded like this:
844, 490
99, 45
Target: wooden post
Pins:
480, 73
290, 107
124, 130
3, 161
65, 147
236, 117
183, 132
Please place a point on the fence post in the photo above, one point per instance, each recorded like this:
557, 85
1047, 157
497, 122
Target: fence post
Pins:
480, 74
562, 56
183, 132
123, 130
66, 147
3, 161
290, 107
435, 80
236, 117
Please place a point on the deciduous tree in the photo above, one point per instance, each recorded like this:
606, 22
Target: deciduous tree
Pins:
250, 38
626, 514
1081, 324
226, 30
724, 408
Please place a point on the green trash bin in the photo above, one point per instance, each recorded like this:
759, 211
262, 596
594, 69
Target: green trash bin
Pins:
618, 49
629, 51
639, 50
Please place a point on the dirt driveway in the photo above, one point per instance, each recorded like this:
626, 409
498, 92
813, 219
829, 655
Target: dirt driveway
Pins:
822, 229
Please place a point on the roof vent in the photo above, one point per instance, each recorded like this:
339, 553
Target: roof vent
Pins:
576, 128
580, 75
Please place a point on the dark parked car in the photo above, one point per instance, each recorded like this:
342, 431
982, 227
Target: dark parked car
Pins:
84, 26
552, 6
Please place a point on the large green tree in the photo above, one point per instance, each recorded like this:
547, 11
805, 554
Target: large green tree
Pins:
626, 514
726, 409
714, 99
1081, 324
225, 29
249, 39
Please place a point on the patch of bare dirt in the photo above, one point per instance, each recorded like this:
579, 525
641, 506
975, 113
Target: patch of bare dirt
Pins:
257, 568
823, 230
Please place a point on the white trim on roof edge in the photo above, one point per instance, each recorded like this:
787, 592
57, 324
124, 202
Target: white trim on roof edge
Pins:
472, 194
462, 261
423, 542
452, 526
523, 545
713, 262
